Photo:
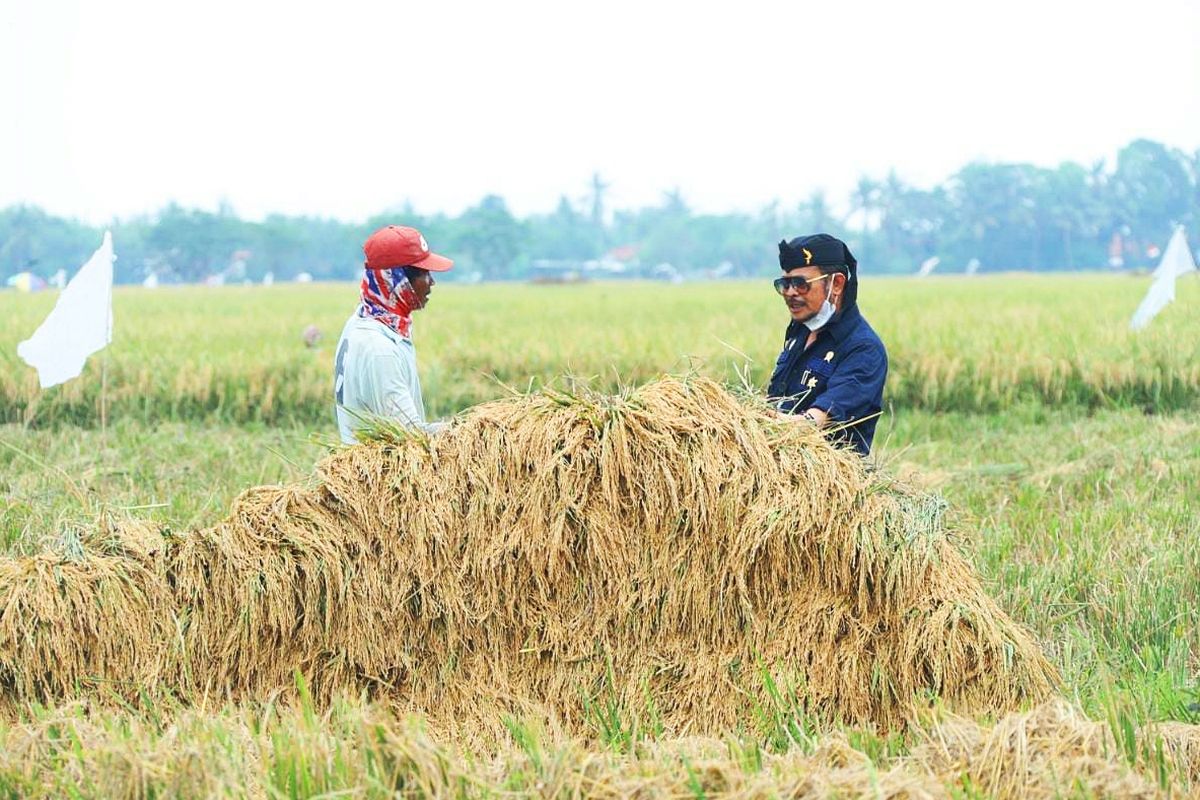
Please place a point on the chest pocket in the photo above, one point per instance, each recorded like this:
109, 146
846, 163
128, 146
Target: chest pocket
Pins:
817, 368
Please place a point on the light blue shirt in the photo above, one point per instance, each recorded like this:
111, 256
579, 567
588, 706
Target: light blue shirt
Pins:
375, 374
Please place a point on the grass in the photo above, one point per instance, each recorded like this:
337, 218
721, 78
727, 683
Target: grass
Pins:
355, 749
1022, 399
54, 480
1088, 529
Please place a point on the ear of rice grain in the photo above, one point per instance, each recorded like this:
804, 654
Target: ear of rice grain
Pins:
95, 616
674, 548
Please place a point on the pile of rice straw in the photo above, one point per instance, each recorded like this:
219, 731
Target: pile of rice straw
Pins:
675, 549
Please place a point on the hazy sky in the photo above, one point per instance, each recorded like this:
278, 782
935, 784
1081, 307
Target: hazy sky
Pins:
346, 109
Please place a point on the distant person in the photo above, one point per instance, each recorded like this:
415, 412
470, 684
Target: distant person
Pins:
375, 369
833, 366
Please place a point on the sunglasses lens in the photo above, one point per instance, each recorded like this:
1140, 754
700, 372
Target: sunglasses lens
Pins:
799, 284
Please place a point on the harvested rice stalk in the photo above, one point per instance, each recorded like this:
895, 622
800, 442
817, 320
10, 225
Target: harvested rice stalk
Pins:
674, 552
94, 615
672, 548
1048, 752
357, 749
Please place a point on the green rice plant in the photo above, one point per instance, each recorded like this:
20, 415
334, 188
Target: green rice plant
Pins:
236, 354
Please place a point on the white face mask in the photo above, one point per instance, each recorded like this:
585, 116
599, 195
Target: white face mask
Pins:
823, 315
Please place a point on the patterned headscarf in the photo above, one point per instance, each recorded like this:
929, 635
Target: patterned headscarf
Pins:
388, 297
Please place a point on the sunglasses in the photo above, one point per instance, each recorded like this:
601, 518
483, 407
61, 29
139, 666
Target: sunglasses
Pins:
801, 285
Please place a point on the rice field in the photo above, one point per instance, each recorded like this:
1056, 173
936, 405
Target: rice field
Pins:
1068, 451
235, 354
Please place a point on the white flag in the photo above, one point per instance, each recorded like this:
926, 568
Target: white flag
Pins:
79, 325
1176, 261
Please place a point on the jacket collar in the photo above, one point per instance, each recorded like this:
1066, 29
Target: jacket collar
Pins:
844, 322
838, 329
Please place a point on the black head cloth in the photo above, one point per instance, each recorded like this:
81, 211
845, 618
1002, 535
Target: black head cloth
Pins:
821, 250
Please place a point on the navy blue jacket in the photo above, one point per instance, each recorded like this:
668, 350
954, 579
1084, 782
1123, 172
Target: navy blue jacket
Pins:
842, 374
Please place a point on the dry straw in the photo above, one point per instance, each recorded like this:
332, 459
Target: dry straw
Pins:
674, 550
358, 749
95, 615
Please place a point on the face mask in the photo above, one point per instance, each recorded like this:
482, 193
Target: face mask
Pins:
388, 297
823, 315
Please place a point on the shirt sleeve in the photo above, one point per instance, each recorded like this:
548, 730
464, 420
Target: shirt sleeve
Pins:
391, 386
855, 389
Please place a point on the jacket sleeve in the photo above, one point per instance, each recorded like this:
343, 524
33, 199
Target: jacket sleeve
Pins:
855, 389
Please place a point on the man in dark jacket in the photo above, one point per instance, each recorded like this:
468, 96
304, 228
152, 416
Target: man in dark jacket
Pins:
833, 365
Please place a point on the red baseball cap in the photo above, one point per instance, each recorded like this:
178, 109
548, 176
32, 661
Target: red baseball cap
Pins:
397, 246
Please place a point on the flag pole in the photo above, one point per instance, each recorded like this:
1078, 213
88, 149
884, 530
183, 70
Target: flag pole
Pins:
104, 370
104, 397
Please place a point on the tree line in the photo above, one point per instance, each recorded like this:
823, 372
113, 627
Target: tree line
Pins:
998, 215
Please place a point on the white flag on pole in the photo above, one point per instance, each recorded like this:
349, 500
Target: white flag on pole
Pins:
79, 325
1176, 261
928, 266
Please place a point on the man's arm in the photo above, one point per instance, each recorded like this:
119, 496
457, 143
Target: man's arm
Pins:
392, 387
855, 389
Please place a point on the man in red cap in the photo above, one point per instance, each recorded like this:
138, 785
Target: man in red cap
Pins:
375, 370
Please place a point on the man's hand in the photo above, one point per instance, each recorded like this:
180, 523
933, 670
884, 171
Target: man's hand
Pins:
816, 416
813, 416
